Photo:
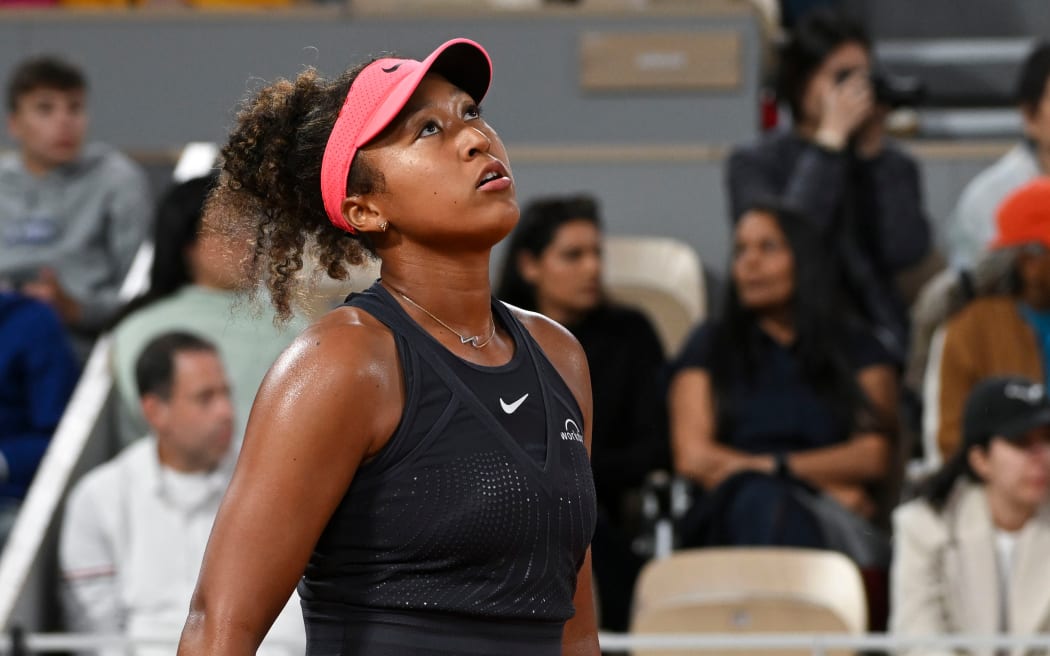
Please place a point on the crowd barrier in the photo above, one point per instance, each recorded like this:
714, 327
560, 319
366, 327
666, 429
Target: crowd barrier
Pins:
14, 643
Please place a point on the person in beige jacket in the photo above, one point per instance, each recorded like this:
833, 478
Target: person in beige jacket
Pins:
970, 555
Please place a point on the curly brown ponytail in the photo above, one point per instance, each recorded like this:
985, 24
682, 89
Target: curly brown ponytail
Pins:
269, 188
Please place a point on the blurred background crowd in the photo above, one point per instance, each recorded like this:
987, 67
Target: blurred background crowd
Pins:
813, 344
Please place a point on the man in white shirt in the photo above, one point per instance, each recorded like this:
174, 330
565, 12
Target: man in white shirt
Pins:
135, 528
972, 224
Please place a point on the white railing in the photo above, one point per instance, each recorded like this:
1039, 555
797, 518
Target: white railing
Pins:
46, 643
817, 643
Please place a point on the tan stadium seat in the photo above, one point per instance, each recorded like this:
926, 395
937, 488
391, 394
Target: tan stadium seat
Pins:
660, 276
748, 590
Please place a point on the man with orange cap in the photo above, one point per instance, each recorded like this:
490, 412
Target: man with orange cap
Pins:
1005, 334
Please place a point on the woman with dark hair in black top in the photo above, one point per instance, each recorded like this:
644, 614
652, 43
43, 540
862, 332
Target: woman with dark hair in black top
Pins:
417, 461
176, 230
782, 399
553, 265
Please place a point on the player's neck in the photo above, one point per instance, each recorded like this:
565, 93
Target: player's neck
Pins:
454, 287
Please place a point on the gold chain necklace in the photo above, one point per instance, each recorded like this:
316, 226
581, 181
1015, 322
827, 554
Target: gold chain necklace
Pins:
473, 340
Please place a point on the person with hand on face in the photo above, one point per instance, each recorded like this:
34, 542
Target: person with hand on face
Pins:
837, 168
781, 403
135, 527
970, 552
417, 461
71, 215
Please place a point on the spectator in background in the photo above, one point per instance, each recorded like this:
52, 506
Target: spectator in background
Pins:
135, 528
837, 168
970, 553
553, 265
193, 287
71, 216
782, 411
972, 224
1002, 334
38, 371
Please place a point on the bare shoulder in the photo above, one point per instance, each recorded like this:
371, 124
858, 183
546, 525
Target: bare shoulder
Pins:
346, 343
560, 347
344, 367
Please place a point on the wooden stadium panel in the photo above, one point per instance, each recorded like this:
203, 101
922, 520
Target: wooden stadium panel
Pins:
670, 60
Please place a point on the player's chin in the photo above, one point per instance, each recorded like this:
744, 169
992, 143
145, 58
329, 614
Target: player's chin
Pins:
495, 223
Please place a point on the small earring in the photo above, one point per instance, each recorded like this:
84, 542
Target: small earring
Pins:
382, 226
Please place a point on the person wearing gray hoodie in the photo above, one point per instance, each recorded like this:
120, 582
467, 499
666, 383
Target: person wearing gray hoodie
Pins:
71, 215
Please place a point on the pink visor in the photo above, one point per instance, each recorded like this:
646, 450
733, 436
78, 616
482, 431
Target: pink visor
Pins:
377, 96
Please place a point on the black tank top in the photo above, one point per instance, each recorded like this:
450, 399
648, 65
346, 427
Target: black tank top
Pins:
464, 535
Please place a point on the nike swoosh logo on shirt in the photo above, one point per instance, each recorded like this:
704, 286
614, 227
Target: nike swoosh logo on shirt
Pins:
509, 408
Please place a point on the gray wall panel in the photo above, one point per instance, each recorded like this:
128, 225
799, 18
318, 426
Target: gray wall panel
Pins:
682, 200
908, 19
943, 181
159, 83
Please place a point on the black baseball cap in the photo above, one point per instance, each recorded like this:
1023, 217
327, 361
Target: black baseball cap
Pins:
1007, 407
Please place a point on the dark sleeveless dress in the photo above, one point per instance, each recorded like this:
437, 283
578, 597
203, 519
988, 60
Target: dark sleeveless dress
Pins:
465, 534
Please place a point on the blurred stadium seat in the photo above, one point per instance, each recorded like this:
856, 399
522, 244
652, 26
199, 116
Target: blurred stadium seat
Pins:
749, 590
661, 276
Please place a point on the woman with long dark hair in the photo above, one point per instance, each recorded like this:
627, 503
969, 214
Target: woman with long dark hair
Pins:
782, 404
194, 285
176, 228
553, 265
970, 552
